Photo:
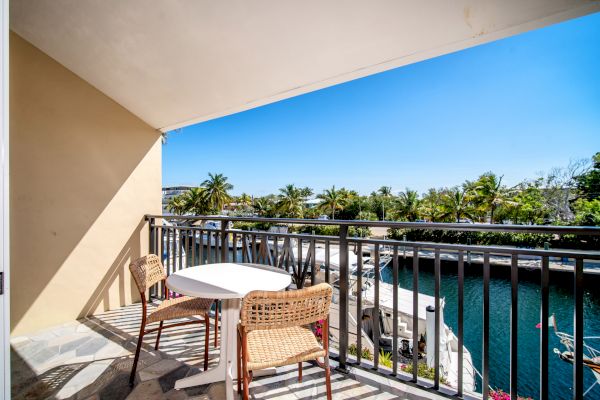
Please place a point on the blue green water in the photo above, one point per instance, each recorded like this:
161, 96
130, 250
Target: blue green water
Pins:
561, 304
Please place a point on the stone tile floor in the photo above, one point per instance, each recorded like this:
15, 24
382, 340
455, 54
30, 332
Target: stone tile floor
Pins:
91, 359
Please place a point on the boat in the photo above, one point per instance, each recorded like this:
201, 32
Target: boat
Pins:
209, 238
425, 329
591, 355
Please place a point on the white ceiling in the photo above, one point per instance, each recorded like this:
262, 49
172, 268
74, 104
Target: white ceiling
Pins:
178, 62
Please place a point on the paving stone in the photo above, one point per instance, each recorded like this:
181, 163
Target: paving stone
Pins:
85, 377
216, 391
195, 391
43, 356
147, 390
38, 390
92, 346
167, 382
117, 389
111, 350
159, 369
176, 395
28, 350
72, 344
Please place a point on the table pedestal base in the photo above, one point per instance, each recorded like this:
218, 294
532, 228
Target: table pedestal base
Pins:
227, 367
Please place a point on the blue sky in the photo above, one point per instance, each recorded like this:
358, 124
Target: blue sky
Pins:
517, 107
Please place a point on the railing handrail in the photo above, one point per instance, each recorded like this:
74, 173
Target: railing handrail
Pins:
540, 229
494, 250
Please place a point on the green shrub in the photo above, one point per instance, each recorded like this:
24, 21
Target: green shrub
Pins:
527, 240
385, 358
366, 353
423, 371
332, 230
251, 226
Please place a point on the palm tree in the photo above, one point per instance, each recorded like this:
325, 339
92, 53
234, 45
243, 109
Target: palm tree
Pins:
457, 204
489, 193
306, 192
332, 200
407, 205
431, 206
177, 205
291, 201
196, 201
244, 199
385, 192
261, 206
217, 189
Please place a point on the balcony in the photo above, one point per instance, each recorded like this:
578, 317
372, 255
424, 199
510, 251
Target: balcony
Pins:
93, 355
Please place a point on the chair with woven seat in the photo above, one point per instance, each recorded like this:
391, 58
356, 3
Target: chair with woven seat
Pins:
147, 271
274, 331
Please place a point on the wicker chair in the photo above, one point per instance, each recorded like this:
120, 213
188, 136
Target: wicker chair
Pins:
273, 332
147, 271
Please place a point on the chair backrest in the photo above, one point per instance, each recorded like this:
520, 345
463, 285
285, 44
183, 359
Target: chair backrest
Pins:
147, 271
269, 310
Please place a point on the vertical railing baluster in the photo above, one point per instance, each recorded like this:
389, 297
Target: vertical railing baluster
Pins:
179, 248
151, 250
201, 247
174, 250
234, 247
437, 316
415, 324
209, 247
151, 232
514, 318
276, 249
577, 331
327, 244
253, 248
460, 317
486, 326
186, 247
343, 301
313, 262
376, 333
194, 231
544, 311
168, 248
359, 271
299, 262
224, 240
395, 310
215, 249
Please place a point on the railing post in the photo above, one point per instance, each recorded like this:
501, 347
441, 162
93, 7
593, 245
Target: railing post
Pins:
152, 232
343, 298
224, 241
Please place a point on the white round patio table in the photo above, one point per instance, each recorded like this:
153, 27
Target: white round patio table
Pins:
229, 282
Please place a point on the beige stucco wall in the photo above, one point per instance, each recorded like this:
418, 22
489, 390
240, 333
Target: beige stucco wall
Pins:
83, 173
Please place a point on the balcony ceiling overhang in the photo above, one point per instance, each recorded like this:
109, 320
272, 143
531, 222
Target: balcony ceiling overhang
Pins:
178, 62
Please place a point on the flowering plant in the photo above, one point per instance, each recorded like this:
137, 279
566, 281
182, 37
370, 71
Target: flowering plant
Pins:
502, 395
319, 330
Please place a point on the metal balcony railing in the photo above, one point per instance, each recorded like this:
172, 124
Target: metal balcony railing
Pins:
182, 241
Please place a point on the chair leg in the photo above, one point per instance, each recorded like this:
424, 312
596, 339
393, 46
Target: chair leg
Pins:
137, 357
216, 323
327, 377
158, 335
299, 372
245, 374
239, 364
206, 339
